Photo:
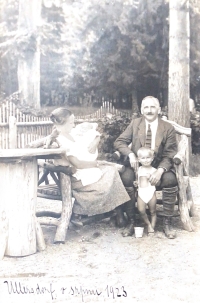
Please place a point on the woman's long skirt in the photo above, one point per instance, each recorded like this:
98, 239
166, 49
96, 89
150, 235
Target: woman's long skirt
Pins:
101, 196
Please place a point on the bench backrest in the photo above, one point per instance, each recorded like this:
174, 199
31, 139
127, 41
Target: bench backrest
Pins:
183, 135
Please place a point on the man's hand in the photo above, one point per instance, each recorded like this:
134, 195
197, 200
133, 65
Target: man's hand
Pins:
133, 161
156, 176
135, 183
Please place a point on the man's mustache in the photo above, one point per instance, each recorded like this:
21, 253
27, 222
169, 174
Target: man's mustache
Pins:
150, 114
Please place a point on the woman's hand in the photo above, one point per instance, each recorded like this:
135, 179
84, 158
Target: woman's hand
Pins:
80, 164
47, 142
93, 145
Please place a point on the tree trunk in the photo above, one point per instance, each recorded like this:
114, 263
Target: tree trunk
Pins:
178, 87
135, 108
29, 61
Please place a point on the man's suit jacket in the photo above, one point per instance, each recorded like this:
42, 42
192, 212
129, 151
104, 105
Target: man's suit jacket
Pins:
165, 141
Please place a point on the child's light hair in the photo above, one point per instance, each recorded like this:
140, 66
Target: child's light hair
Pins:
144, 149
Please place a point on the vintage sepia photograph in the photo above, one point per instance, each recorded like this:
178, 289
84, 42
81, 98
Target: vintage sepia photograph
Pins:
99, 151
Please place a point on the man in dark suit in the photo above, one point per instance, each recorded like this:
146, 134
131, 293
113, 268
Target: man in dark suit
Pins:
150, 130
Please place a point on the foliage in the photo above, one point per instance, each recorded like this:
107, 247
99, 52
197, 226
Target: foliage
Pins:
110, 129
102, 48
8, 59
195, 125
194, 46
113, 46
195, 165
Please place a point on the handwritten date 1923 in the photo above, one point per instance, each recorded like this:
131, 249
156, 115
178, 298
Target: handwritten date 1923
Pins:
116, 292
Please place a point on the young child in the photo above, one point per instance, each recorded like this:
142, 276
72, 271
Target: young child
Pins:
84, 134
146, 192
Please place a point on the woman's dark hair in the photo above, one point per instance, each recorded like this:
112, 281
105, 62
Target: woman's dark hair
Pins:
60, 115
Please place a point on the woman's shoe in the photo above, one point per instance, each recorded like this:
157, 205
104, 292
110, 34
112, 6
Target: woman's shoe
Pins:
76, 223
75, 219
129, 230
120, 218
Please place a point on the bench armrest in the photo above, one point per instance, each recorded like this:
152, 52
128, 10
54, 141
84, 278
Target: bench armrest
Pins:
183, 147
68, 170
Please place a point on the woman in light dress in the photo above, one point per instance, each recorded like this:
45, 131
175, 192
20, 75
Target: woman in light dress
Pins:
96, 186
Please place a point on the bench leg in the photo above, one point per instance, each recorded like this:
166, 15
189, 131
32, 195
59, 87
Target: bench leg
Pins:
67, 205
183, 203
191, 206
39, 236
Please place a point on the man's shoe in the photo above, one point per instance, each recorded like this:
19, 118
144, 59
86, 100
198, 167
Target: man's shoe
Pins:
169, 233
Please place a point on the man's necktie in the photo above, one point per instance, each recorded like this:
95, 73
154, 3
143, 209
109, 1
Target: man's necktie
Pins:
148, 137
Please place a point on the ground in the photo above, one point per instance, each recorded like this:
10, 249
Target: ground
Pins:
96, 264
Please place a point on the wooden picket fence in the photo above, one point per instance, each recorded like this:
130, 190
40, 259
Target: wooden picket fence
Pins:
21, 128
106, 109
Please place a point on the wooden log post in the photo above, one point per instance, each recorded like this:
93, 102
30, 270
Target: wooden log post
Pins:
190, 202
191, 206
19, 177
67, 205
3, 229
48, 221
183, 202
183, 157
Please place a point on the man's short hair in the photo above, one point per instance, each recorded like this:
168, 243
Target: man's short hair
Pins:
150, 97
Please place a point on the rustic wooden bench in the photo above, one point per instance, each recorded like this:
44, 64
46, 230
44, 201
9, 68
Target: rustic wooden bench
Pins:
49, 190
61, 190
181, 164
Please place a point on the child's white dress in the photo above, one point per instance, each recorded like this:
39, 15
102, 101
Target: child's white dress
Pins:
79, 150
145, 193
83, 137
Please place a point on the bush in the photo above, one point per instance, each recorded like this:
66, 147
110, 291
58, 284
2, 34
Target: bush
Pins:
110, 128
195, 165
195, 125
